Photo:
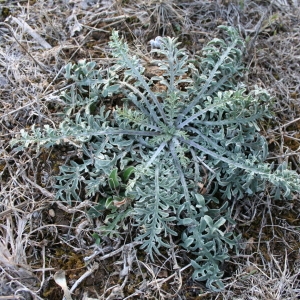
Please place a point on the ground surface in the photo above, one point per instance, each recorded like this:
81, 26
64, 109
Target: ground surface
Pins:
40, 236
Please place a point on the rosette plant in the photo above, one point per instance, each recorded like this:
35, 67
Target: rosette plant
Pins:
175, 151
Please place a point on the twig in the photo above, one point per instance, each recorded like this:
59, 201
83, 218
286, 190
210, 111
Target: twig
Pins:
163, 280
30, 31
85, 275
9, 210
43, 69
289, 123
41, 189
112, 19
113, 253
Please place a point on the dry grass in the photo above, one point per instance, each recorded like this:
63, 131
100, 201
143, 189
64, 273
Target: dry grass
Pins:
40, 237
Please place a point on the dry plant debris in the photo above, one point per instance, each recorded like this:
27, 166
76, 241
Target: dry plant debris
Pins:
40, 236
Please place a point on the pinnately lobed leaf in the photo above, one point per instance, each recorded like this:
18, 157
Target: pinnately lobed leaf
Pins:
147, 158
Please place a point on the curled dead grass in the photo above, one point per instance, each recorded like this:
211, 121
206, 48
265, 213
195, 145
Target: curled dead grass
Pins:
40, 236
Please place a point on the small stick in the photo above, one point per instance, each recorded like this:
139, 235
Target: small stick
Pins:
43, 69
85, 275
30, 31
